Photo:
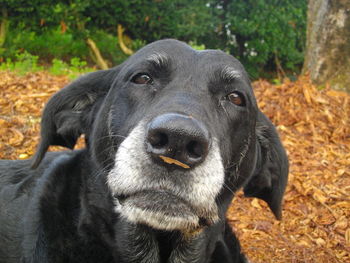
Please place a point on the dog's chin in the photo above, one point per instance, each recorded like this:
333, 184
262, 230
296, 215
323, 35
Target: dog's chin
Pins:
164, 211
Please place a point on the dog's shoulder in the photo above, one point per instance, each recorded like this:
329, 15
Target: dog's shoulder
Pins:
18, 173
24, 194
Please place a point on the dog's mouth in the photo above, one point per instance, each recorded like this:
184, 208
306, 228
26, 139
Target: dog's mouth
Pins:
163, 210
183, 198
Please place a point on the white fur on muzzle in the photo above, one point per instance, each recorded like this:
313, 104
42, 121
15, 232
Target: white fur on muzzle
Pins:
167, 200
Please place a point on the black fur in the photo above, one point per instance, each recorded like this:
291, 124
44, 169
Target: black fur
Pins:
62, 210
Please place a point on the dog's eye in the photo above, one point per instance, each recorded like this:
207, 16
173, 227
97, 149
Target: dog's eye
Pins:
236, 98
142, 78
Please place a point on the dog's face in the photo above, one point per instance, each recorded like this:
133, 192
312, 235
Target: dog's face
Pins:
185, 105
175, 131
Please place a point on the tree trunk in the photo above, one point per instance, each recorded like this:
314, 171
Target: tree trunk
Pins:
101, 63
122, 45
327, 57
3, 26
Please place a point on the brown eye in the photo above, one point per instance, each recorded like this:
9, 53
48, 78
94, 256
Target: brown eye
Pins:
236, 98
142, 78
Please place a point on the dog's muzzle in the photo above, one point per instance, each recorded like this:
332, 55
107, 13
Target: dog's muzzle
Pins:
167, 174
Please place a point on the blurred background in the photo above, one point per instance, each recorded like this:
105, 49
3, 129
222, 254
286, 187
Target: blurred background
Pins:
267, 36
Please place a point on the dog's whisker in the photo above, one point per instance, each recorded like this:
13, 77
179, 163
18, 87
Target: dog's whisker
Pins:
230, 166
112, 136
228, 188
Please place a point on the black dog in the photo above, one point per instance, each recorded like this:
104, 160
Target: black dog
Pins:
171, 134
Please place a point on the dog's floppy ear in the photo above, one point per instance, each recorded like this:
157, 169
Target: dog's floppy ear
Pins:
68, 113
269, 178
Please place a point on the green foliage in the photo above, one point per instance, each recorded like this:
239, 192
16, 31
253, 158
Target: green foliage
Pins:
73, 69
23, 63
58, 67
48, 44
261, 33
153, 20
109, 46
196, 46
137, 44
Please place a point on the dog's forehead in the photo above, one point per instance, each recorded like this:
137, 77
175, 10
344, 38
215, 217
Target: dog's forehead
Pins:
225, 65
181, 54
169, 48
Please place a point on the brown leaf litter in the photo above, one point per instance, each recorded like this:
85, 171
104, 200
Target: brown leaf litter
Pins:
315, 128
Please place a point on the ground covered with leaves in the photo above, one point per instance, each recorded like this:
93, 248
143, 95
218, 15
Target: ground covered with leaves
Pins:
315, 128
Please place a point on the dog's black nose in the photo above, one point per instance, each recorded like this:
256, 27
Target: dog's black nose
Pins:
181, 139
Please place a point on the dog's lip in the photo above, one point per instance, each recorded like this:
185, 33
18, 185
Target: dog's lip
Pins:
151, 200
121, 198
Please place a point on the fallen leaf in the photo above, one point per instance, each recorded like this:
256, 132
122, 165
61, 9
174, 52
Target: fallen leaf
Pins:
347, 236
173, 161
23, 156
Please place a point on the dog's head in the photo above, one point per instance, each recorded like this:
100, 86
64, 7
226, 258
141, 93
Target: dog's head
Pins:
176, 132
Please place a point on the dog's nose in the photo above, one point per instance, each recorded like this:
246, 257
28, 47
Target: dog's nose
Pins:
179, 138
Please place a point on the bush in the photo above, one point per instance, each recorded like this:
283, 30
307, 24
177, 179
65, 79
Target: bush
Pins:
47, 45
109, 47
263, 34
23, 63
73, 69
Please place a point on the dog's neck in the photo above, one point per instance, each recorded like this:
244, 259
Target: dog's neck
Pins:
139, 243
142, 244
131, 242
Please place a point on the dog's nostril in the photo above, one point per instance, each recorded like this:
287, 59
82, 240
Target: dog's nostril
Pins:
120, 197
194, 149
176, 140
158, 139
